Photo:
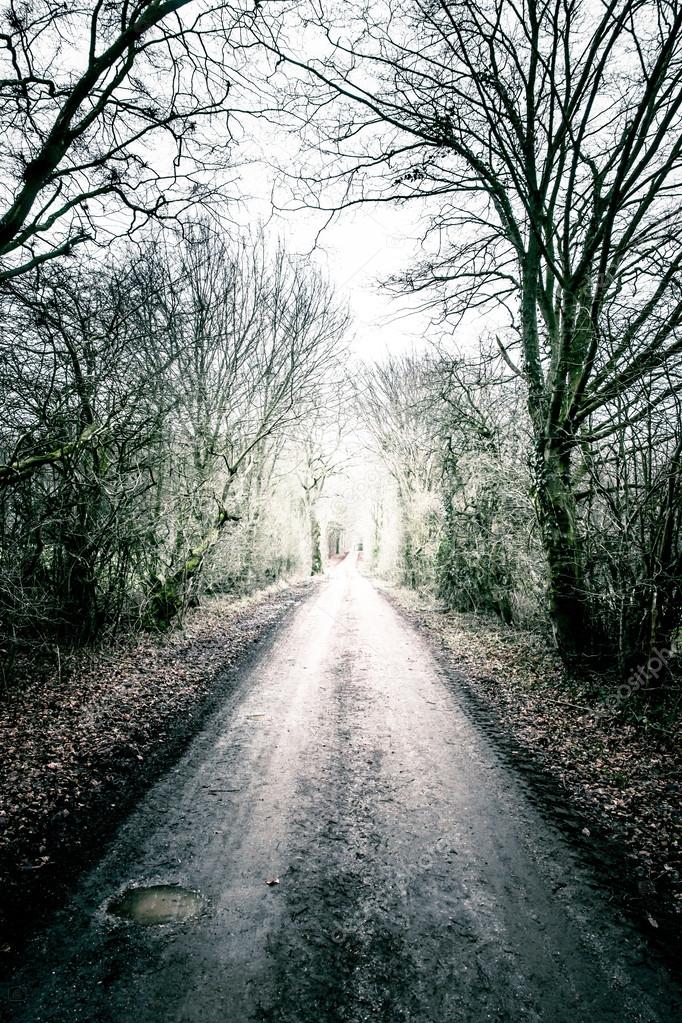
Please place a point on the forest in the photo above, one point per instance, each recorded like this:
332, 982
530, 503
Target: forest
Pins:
340, 510
173, 386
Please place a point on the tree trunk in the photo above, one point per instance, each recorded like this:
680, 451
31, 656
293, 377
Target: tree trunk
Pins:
22, 468
168, 595
558, 522
315, 549
555, 496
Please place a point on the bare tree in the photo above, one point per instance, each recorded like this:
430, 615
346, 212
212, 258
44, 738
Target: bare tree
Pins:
322, 456
391, 399
77, 362
488, 557
547, 139
254, 335
103, 114
171, 381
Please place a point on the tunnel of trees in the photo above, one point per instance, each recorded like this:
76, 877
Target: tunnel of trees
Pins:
174, 389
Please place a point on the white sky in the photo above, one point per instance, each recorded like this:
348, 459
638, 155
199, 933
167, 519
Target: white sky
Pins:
359, 248
362, 247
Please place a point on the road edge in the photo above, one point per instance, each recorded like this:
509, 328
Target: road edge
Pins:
598, 850
31, 897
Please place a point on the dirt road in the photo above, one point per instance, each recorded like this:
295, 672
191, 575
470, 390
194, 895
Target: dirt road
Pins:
417, 881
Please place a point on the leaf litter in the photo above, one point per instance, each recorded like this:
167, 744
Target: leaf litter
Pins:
78, 747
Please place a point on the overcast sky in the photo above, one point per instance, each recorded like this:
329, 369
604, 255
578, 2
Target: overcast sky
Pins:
358, 249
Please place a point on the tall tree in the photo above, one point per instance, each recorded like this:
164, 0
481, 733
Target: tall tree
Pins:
547, 137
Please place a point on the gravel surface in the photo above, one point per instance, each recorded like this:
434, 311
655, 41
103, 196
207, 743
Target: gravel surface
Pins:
361, 851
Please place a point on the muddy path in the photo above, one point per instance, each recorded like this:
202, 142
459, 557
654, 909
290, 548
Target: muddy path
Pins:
415, 879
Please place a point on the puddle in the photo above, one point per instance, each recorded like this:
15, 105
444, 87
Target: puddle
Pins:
156, 904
